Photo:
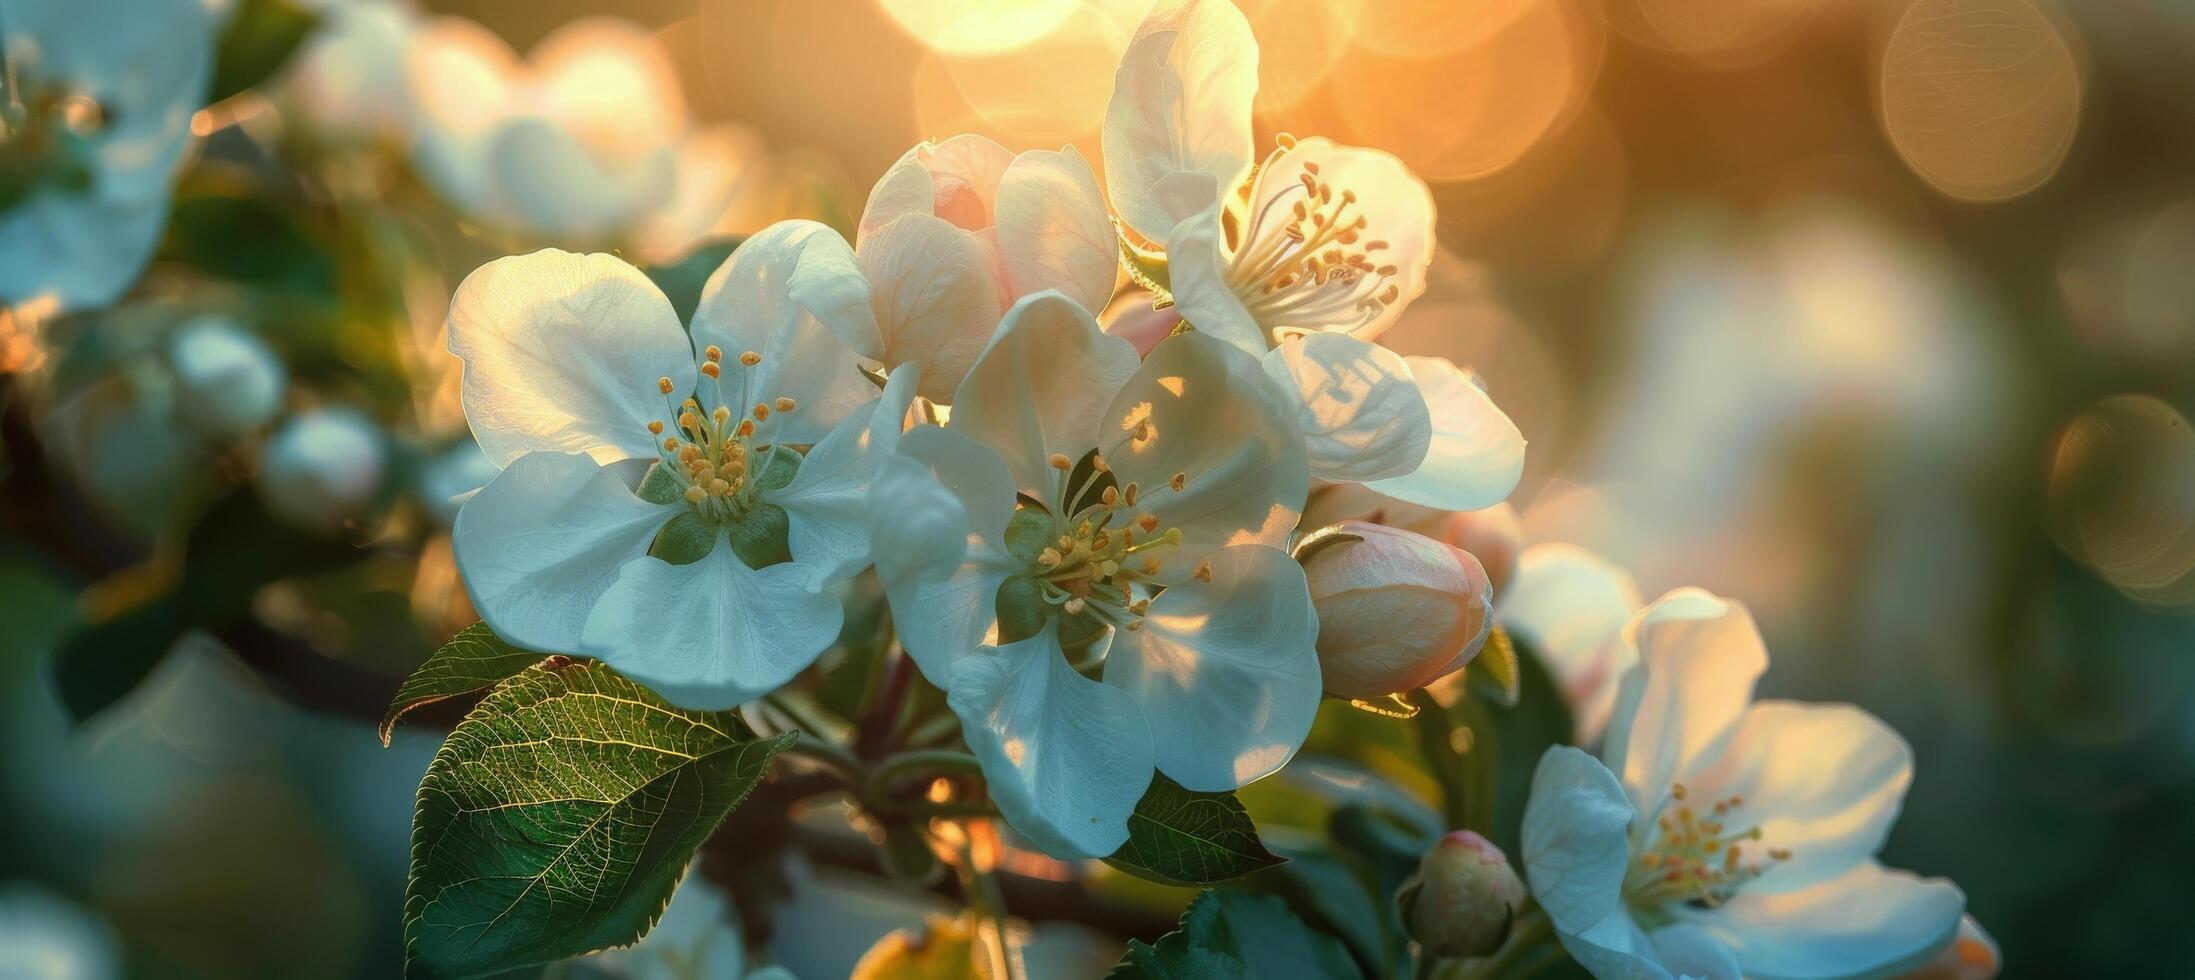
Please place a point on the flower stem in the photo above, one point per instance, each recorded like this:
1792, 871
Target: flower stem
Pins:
1525, 952
932, 761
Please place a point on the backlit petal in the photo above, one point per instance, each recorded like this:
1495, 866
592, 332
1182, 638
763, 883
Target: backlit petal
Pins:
935, 297
1042, 387
1181, 102
714, 633
1065, 757
1362, 415
1053, 229
544, 540
1869, 922
1571, 605
1227, 671
793, 294
1476, 454
1699, 656
562, 353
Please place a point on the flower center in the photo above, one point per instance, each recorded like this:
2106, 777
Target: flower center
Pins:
713, 454
1108, 541
1303, 260
1695, 858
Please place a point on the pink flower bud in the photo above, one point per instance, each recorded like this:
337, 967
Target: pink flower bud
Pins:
1397, 610
1462, 898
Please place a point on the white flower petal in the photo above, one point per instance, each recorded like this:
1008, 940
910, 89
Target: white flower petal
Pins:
827, 504
146, 62
1571, 605
1869, 922
1362, 415
560, 190
562, 353
1181, 102
1042, 387
1196, 272
1065, 757
1205, 409
1053, 229
1476, 454
1698, 658
794, 294
1687, 950
1615, 948
544, 540
935, 297
1227, 671
712, 634
904, 189
942, 611
1576, 844
84, 251
1823, 781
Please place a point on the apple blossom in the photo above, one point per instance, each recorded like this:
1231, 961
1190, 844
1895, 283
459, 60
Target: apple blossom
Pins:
1303, 259
1131, 513
341, 81
94, 118
704, 579
1717, 836
585, 142
1462, 898
1493, 535
1396, 610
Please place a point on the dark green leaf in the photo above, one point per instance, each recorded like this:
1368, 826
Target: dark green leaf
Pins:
559, 815
1541, 718
229, 230
682, 280
1179, 837
1228, 935
474, 660
262, 35
235, 550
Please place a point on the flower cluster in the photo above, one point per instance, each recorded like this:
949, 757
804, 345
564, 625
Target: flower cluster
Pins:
1096, 548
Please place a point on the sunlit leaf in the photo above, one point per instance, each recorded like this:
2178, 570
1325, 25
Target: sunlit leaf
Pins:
943, 949
474, 660
559, 815
1180, 837
1493, 673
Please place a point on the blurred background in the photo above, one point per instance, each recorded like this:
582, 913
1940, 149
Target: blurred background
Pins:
1876, 314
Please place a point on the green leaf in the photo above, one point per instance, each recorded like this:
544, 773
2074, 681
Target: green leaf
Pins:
262, 35
559, 815
1231, 935
475, 659
230, 228
682, 280
1180, 837
1539, 719
1493, 673
236, 549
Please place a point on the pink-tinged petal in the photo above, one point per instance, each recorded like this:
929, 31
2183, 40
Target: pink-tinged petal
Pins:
1053, 229
1181, 103
562, 354
935, 296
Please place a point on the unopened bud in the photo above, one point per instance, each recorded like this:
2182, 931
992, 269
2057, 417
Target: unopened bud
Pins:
1462, 898
230, 382
1396, 610
322, 466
